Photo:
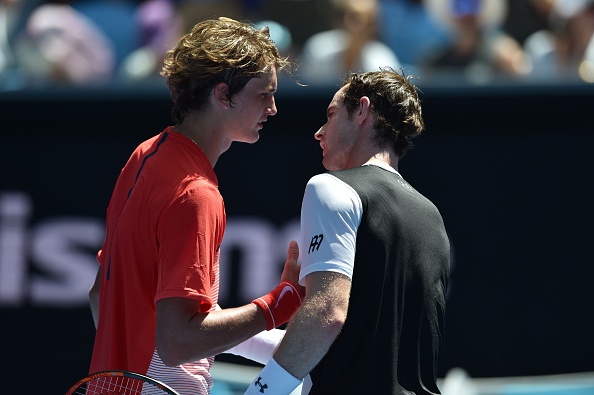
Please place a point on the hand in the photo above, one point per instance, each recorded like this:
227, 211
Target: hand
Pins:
292, 267
285, 299
288, 291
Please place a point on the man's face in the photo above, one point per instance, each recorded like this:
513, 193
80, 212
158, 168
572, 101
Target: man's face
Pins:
338, 135
253, 105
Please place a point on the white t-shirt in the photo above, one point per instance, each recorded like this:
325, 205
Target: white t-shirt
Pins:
330, 216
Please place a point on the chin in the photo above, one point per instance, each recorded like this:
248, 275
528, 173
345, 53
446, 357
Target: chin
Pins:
332, 165
328, 166
248, 136
252, 139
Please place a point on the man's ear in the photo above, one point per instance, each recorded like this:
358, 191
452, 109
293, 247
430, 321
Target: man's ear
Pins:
364, 109
220, 95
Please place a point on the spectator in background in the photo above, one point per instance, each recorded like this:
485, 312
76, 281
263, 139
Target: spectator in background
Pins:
409, 30
116, 19
303, 18
160, 26
525, 17
564, 51
8, 9
91, 42
351, 46
13, 19
62, 46
479, 50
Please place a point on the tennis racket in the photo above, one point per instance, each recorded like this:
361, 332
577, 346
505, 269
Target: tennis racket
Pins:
119, 382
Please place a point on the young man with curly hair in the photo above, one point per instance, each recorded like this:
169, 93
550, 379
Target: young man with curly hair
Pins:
154, 300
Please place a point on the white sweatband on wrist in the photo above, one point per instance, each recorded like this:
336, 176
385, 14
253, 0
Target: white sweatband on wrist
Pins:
273, 380
260, 347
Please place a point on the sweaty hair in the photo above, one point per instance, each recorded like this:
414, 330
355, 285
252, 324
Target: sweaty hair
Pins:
394, 102
217, 50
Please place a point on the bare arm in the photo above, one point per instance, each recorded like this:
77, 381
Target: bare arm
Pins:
185, 334
94, 293
315, 326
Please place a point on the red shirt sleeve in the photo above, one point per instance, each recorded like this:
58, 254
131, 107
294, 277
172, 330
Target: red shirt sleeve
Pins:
189, 234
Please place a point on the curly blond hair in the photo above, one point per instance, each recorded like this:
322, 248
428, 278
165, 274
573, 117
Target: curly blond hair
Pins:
218, 50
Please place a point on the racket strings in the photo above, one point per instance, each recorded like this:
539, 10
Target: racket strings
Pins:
119, 386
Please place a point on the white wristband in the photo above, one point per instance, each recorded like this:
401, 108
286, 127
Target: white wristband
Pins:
273, 380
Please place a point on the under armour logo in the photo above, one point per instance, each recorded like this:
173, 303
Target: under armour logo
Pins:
316, 241
262, 387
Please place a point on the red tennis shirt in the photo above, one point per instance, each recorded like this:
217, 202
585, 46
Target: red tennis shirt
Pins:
165, 223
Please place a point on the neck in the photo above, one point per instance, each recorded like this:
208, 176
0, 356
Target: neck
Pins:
385, 158
203, 140
177, 129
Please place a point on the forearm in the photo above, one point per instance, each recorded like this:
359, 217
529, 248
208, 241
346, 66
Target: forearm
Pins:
206, 334
309, 335
306, 341
315, 326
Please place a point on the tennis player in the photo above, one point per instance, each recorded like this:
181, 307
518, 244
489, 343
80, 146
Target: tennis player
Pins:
374, 256
154, 300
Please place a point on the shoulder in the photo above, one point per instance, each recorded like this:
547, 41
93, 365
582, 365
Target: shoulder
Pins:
327, 183
331, 192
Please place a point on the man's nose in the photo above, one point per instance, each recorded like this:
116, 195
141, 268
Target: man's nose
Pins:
318, 135
272, 108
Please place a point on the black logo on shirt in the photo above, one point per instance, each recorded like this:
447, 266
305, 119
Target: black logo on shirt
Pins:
262, 387
316, 241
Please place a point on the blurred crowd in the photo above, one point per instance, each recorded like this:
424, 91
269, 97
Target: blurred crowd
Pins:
97, 42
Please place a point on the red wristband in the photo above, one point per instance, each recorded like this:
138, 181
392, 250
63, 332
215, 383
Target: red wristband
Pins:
280, 304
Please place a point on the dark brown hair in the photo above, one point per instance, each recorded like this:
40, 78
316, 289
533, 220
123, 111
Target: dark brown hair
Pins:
395, 103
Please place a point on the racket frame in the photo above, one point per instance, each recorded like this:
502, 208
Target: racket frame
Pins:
123, 374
